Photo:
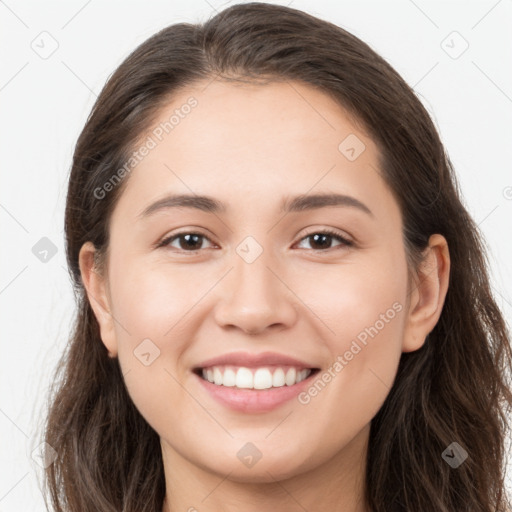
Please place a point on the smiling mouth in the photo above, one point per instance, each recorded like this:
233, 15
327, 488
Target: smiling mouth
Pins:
261, 378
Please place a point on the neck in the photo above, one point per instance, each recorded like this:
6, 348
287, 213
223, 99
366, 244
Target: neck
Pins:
336, 484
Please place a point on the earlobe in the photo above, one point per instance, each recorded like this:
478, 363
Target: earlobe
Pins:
96, 290
428, 294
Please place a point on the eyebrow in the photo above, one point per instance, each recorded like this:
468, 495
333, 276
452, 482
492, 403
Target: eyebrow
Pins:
297, 204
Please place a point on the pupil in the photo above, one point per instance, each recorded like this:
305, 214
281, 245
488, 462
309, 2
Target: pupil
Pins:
322, 236
187, 238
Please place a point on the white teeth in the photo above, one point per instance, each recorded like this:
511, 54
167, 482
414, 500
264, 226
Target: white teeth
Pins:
260, 378
217, 376
229, 378
291, 375
278, 379
244, 378
304, 374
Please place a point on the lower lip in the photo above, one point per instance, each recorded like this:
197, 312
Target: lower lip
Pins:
254, 400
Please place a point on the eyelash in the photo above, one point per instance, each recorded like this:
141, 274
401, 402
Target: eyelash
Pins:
345, 242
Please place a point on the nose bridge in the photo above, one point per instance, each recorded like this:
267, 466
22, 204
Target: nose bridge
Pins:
253, 297
252, 276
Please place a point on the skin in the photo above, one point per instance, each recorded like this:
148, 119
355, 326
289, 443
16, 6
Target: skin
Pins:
250, 146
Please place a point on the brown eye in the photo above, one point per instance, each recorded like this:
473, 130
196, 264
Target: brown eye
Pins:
322, 240
319, 241
187, 241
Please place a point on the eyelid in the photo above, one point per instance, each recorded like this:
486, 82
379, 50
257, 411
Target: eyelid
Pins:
347, 240
166, 240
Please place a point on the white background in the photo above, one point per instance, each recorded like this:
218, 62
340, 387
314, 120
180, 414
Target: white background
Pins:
45, 103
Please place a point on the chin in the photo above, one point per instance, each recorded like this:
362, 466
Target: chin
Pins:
279, 466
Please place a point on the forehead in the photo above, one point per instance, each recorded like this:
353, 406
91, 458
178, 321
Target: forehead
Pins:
241, 141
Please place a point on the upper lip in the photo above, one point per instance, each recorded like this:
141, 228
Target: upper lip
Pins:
249, 360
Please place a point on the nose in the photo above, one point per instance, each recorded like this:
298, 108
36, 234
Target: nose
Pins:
255, 298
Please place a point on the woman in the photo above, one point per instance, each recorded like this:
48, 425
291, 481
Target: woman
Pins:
282, 302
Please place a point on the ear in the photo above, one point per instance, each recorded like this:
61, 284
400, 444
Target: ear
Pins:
95, 283
428, 294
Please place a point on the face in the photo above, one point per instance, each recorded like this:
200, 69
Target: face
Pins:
269, 276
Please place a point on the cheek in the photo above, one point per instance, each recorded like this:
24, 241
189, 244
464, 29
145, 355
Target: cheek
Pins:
363, 301
154, 303
152, 330
366, 313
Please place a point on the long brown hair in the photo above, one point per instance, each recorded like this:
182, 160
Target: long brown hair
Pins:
453, 389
